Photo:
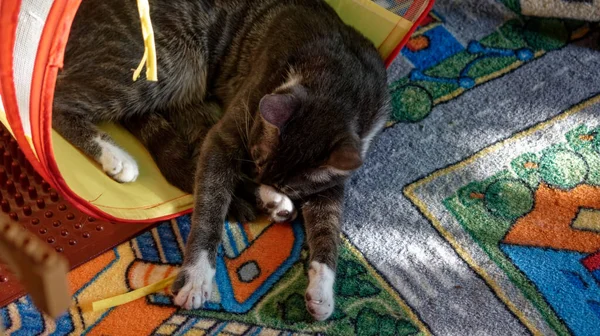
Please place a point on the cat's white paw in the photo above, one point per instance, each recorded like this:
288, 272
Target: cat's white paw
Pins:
116, 162
277, 205
198, 283
319, 294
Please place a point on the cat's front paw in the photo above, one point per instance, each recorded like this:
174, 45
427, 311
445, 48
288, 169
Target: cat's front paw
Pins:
319, 297
279, 207
193, 286
117, 163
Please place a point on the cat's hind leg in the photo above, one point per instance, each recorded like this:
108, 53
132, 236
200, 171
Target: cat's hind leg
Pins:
79, 130
171, 151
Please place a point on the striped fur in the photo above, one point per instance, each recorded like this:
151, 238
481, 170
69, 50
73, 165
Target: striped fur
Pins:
278, 93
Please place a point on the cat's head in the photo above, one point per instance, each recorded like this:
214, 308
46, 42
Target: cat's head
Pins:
303, 143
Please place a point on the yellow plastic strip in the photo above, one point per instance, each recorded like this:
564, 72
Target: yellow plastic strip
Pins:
149, 46
138, 71
132, 296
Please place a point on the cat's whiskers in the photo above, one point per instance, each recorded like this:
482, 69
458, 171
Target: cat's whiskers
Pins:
240, 130
296, 192
244, 130
325, 197
244, 160
247, 118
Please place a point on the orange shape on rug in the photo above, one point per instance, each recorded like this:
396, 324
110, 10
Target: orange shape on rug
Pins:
267, 258
418, 43
549, 224
86, 272
141, 274
135, 318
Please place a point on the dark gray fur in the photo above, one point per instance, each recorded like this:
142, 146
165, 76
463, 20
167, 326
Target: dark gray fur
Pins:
226, 56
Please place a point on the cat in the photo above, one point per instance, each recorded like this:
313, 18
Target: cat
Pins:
268, 104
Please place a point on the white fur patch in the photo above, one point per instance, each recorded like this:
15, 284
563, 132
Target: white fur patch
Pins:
281, 209
319, 294
324, 174
293, 80
269, 194
116, 162
199, 282
321, 176
366, 141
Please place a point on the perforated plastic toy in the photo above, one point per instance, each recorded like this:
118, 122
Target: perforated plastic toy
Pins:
41, 233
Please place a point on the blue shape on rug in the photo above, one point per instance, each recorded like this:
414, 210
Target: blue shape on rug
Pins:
567, 286
441, 46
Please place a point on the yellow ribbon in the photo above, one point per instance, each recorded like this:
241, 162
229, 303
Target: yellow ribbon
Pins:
149, 58
131, 296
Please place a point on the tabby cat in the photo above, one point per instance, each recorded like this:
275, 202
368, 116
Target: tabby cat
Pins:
260, 103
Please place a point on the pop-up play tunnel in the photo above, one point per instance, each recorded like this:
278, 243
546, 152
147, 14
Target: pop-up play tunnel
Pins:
33, 35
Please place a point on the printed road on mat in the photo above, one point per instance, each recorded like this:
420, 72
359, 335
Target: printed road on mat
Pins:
260, 283
437, 66
525, 213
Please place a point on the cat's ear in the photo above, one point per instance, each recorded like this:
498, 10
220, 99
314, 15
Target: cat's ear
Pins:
277, 109
345, 157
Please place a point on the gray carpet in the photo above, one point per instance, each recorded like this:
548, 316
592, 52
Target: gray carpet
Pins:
444, 290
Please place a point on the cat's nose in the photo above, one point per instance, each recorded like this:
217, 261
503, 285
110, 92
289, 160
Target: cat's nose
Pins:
283, 213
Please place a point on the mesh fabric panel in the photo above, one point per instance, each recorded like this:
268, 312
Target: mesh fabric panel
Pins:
32, 18
408, 9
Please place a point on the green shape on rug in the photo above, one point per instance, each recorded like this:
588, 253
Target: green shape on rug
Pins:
586, 142
355, 288
483, 66
471, 193
411, 103
369, 322
563, 168
352, 270
582, 138
592, 158
451, 66
294, 310
514, 5
358, 288
526, 167
546, 34
509, 198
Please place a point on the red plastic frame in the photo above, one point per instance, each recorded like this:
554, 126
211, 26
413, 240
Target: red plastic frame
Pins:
414, 27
